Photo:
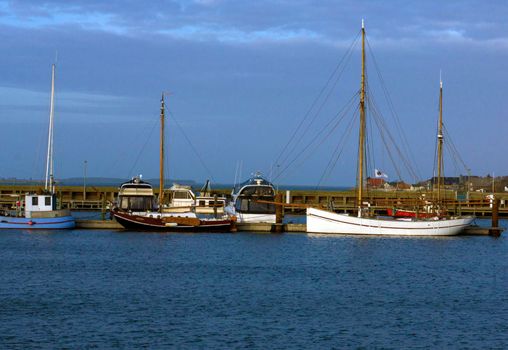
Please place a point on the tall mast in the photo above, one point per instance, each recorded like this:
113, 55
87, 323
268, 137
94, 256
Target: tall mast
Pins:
361, 138
440, 142
161, 160
48, 184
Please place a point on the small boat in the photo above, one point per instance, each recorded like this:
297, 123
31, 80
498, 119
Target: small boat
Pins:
40, 211
137, 208
181, 198
324, 221
249, 201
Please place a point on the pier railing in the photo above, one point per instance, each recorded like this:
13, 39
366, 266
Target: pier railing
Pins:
101, 197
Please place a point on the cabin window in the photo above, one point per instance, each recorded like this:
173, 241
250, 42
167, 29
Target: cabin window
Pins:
250, 206
257, 191
136, 203
35, 201
47, 201
124, 203
202, 203
182, 195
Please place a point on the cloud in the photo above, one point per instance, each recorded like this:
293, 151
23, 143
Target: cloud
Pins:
227, 21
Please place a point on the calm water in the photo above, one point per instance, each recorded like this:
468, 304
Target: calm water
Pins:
116, 289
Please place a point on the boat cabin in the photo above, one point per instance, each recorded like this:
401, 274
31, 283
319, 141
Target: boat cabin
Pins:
39, 203
180, 196
247, 194
136, 195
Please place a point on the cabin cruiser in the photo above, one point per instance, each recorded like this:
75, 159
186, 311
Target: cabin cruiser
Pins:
249, 201
137, 208
181, 198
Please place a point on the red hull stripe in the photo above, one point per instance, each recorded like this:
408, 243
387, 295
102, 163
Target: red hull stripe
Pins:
38, 223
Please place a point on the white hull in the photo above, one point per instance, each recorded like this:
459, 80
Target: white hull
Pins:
255, 218
322, 221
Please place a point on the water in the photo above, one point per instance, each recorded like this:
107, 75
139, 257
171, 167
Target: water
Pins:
76, 289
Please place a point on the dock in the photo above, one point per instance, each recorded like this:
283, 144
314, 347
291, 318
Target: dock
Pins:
99, 198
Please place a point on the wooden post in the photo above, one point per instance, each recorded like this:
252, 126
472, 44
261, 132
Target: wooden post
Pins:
278, 227
103, 206
215, 206
495, 218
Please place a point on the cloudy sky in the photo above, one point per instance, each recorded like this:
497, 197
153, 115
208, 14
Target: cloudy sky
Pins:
241, 76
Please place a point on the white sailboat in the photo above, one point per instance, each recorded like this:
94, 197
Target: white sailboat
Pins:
323, 221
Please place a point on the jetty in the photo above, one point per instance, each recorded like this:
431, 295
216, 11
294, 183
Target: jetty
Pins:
99, 198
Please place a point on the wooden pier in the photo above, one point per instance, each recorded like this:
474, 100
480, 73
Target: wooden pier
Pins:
97, 198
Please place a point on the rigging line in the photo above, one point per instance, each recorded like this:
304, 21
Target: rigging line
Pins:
312, 121
383, 125
342, 112
370, 145
344, 60
326, 137
434, 167
192, 146
454, 159
402, 156
455, 150
156, 120
382, 131
338, 151
393, 111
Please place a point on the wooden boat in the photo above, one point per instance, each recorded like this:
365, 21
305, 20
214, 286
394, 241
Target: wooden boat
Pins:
324, 221
40, 211
138, 209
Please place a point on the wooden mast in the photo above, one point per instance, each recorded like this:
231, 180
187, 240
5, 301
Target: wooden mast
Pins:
161, 155
361, 138
440, 143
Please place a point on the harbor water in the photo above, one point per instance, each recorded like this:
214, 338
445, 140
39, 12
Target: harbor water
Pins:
80, 289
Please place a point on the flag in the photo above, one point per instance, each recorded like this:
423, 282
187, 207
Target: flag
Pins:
378, 173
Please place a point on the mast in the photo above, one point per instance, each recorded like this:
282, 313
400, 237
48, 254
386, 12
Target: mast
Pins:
48, 184
161, 160
440, 143
361, 138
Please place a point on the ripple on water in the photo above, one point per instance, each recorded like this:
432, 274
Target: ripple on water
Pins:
86, 288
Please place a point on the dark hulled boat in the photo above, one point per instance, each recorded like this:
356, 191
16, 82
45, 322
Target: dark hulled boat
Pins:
138, 209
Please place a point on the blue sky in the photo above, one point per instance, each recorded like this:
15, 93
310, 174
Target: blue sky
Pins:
241, 75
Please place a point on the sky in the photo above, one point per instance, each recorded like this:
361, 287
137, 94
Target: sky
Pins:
239, 78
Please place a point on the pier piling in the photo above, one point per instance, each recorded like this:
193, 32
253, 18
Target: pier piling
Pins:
495, 219
279, 216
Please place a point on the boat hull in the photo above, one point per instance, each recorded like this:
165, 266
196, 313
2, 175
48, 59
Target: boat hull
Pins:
55, 223
255, 218
322, 221
146, 223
